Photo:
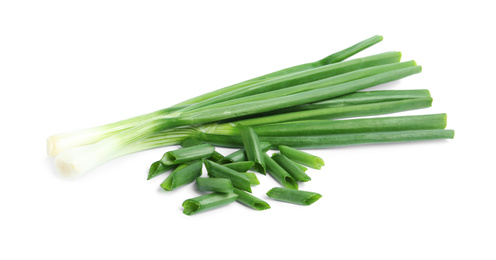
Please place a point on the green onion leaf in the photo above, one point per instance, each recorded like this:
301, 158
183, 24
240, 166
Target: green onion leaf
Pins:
238, 179
183, 155
294, 196
250, 200
182, 175
279, 174
214, 184
207, 202
302, 157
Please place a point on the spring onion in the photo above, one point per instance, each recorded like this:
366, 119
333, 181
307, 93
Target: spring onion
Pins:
238, 179
240, 166
158, 168
207, 201
279, 174
252, 177
302, 157
188, 154
296, 172
250, 200
182, 175
294, 196
216, 156
252, 147
214, 184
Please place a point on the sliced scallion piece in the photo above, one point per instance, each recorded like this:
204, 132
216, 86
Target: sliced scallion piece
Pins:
240, 155
294, 196
238, 180
183, 155
302, 157
182, 175
250, 200
216, 156
240, 166
279, 174
208, 201
214, 184
291, 167
252, 177
252, 147
158, 168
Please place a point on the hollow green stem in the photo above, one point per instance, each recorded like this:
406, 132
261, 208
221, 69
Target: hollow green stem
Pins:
302, 157
216, 156
158, 168
188, 154
182, 175
294, 196
252, 147
238, 179
214, 184
279, 174
291, 167
240, 166
207, 202
250, 200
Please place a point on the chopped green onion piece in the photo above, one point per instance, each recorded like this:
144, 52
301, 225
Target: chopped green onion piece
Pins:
252, 147
302, 157
303, 168
183, 155
216, 156
158, 168
293, 196
238, 179
214, 184
296, 172
278, 173
182, 175
253, 178
240, 166
240, 155
250, 200
208, 201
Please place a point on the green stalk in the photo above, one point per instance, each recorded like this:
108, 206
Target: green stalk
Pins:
291, 167
216, 156
238, 179
302, 157
253, 148
278, 173
342, 112
334, 58
240, 155
222, 185
207, 202
325, 141
158, 168
250, 200
299, 197
182, 175
252, 177
330, 75
360, 125
188, 154
240, 166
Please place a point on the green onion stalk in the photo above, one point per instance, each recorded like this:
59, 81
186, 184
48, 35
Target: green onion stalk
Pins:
76, 161
60, 142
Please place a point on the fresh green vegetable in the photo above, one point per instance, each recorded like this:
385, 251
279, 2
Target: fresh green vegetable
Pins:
302, 157
279, 174
182, 175
290, 167
214, 184
216, 156
240, 155
158, 168
240, 166
253, 178
252, 147
208, 201
188, 154
250, 200
238, 179
294, 196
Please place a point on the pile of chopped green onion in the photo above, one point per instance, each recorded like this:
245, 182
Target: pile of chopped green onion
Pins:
297, 107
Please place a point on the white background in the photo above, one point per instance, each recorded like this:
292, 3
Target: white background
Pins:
66, 65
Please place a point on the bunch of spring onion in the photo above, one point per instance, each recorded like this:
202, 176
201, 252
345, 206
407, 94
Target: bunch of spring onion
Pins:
287, 107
